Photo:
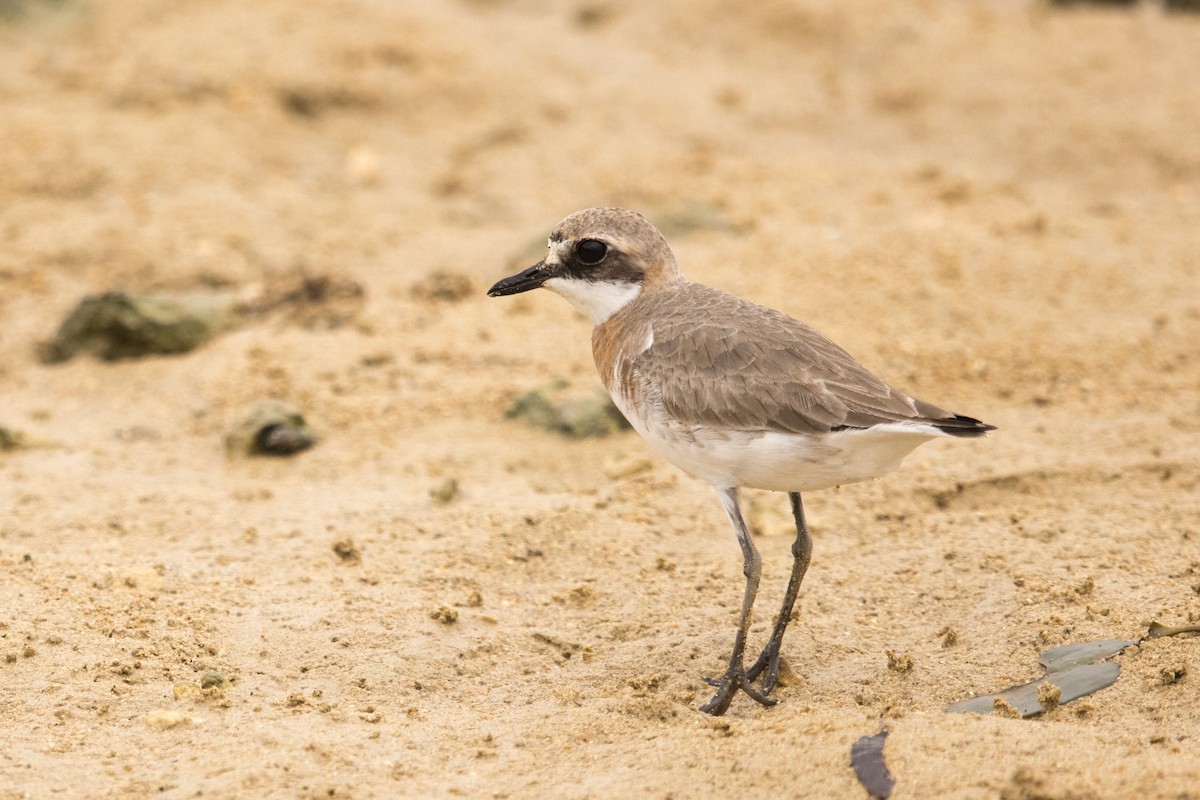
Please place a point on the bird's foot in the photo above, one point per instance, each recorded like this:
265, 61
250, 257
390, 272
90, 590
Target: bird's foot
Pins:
735, 679
767, 660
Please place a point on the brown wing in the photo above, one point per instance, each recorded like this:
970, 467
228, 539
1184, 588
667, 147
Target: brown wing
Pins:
722, 361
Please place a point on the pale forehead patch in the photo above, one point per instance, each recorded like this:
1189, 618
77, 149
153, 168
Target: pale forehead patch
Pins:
559, 251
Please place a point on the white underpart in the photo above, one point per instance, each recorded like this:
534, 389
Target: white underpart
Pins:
782, 462
597, 300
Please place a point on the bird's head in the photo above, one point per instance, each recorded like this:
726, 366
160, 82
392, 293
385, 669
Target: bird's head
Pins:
599, 259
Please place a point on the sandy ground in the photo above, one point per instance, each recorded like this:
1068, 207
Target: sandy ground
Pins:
994, 205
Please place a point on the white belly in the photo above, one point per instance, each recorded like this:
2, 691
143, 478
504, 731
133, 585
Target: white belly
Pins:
783, 462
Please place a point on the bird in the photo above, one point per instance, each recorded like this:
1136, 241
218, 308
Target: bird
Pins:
734, 393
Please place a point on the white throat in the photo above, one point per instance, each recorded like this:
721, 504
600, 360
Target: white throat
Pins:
597, 300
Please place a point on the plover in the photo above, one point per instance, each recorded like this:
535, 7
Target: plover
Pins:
734, 393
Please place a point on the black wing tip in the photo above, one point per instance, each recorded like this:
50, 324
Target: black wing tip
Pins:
963, 427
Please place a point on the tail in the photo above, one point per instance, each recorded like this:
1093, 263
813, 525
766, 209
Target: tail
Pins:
962, 427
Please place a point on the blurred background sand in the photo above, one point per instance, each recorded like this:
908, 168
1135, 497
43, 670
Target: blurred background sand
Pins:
994, 205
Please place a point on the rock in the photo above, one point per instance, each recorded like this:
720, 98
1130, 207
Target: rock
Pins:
213, 680
270, 427
117, 325
347, 551
536, 410
444, 492
11, 440
576, 415
590, 416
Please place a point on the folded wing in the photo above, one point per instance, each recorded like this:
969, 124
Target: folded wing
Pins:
733, 364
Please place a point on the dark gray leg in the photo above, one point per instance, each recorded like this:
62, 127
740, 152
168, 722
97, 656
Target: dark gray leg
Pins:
801, 555
735, 676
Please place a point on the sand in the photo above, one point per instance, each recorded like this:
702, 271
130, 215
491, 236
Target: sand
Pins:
993, 205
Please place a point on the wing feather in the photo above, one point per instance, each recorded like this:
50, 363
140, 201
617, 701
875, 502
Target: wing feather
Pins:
723, 361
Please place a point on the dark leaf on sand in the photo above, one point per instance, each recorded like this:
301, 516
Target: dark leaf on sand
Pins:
866, 756
1073, 684
316, 302
1059, 659
1070, 668
1085, 679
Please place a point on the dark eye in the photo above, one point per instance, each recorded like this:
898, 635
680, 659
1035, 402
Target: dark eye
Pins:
590, 251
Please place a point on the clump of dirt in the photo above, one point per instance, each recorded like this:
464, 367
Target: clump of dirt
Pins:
309, 301
899, 662
445, 286
444, 615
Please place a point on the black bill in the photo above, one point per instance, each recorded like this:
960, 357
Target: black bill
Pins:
523, 281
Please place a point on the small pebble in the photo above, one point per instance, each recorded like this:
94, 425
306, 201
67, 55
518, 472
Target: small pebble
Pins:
213, 680
444, 492
347, 551
270, 427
